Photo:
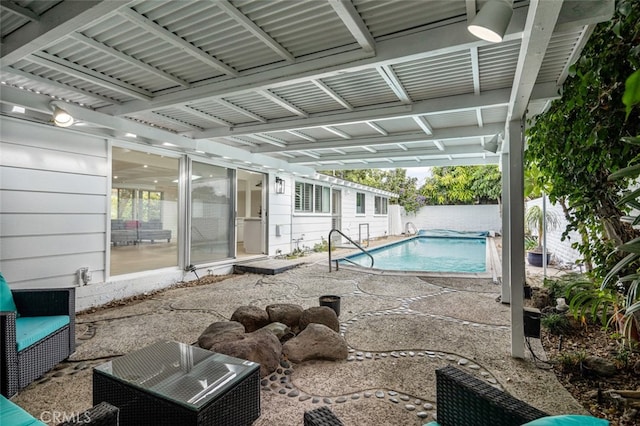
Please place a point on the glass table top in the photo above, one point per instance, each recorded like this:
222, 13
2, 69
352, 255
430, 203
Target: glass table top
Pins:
185, 374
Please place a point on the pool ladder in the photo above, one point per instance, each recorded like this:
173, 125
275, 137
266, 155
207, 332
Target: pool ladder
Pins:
344, 258
406, 228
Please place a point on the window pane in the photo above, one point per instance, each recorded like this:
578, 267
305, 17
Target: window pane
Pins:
304, 197
144, 211
380, 205
211, 213
322, 199
360, 203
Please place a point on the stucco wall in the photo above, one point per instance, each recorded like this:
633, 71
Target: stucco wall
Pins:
457, 218
561, 250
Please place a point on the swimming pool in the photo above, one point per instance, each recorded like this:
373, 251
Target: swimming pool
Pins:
467, 254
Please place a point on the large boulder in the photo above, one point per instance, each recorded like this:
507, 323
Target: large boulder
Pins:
320, 315
261, 346
286, 313
220, 332
316, 341
252, 317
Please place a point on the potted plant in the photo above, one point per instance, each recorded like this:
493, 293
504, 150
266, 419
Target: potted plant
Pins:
535, 219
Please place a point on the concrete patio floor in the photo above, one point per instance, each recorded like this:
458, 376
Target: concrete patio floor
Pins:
399, 329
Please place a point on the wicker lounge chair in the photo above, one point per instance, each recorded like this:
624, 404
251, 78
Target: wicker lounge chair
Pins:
21, 367
465, 400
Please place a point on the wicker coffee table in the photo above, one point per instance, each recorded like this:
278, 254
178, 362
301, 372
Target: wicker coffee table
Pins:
171, 383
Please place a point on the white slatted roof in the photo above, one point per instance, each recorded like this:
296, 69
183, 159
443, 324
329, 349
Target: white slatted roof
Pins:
304, 84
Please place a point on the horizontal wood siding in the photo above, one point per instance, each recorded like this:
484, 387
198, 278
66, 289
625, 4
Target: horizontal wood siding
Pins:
53, 204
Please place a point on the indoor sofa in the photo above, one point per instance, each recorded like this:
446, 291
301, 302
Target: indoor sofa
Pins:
37, 329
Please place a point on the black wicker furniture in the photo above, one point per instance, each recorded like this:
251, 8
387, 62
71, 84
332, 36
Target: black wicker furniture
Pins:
465, 400
22, 366
322, 416
171, 383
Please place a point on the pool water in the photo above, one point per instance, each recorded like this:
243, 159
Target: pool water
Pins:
428, 254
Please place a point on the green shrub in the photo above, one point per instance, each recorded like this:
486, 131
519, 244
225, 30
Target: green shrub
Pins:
556, 323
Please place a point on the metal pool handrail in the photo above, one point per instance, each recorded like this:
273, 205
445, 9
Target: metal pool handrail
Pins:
352, 242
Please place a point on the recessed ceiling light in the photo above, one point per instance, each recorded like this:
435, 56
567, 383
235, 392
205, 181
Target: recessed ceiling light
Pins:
18, 109
131, 135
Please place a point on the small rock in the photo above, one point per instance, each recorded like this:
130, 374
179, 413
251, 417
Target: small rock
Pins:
427, 406
327, 400
293, 393
422, 414
600, 366
341, 399
304, 398
410, 407
379, 394
394, 400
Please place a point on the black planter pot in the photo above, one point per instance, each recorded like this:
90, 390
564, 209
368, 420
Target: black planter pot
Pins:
535, 259
331, 301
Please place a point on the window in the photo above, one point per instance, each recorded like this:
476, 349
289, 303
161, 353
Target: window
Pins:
311, 198
360, 203
381, 205
322, 199
304, 197
144, 211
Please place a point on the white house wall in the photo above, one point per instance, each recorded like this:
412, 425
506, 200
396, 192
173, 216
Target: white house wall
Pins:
280, 210
53, 191
54, 215
312, 228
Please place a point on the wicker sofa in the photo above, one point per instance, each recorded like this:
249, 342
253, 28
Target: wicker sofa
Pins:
22, 365
462, 399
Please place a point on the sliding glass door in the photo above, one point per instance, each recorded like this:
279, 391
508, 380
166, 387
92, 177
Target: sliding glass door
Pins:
212, 213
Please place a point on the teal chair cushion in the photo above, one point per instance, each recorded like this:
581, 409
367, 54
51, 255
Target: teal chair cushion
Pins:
6, 298
11, 414
568, 420
31, 329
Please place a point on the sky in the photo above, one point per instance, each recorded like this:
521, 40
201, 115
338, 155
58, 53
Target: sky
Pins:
419, 172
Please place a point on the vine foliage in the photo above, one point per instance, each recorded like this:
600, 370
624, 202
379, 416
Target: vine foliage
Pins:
578, 143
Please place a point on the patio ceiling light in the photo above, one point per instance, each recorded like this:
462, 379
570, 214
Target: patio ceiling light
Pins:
61, 117
492, 21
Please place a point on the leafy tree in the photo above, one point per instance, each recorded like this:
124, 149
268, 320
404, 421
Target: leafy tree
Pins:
395, 180
463, 185
577, 143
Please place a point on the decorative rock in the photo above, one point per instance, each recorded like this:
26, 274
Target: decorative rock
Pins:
600, 366
379, 394
252, 317
320, 315
286, 313
427, 406
422, 414
285, 364
304, 398
315, 400
293, 393
368, 394
394, 400
316, 341
218, 332
463, 361
410, 407
404, 398
282, 391
392, 393
327, 400
279, 329
341, 399
261, 346
355, 396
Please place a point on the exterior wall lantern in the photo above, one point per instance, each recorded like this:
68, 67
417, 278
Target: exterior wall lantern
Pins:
279, 185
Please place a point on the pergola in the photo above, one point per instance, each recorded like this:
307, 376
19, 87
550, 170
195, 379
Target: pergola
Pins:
303, 85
